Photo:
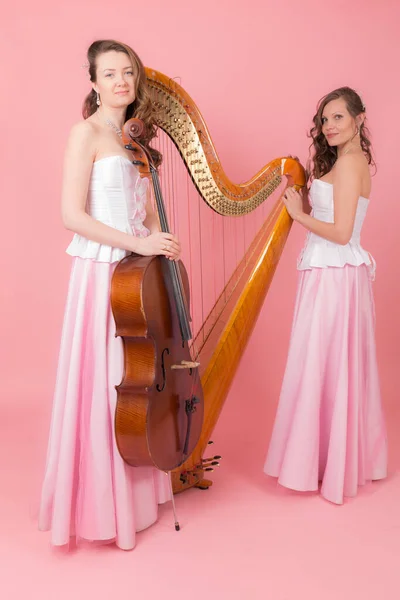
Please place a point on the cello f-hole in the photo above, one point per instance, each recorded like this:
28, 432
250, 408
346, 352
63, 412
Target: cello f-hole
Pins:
162, 386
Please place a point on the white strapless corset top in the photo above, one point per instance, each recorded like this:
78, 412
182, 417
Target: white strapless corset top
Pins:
319, 252
116, 197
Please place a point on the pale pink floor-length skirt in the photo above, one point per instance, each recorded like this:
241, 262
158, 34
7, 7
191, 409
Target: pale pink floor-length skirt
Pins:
329, 425
88, 491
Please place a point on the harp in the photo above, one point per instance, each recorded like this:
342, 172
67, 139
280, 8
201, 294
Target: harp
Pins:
240, 233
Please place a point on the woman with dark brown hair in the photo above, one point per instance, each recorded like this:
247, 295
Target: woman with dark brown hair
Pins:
329, 425
88, 491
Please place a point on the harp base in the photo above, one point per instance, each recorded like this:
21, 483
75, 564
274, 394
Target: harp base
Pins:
193, 478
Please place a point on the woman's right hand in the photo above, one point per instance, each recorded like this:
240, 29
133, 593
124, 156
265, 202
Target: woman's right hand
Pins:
158, 243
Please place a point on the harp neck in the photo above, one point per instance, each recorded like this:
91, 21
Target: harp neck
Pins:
178, 115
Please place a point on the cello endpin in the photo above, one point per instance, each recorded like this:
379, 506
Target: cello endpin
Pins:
177, 526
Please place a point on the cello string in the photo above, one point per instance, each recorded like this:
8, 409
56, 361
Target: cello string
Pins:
182, 293
182, 301
162, 210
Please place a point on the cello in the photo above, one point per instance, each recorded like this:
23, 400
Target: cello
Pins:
159, 412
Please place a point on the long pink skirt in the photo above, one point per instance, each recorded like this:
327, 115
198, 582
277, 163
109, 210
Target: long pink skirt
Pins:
329, 425
88, 490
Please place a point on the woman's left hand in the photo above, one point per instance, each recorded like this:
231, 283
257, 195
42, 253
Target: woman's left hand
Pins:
293, 202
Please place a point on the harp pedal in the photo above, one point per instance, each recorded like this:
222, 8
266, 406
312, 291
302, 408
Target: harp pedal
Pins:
186, 364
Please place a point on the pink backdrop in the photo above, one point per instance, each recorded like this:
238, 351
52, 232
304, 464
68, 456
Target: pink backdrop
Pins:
256, 70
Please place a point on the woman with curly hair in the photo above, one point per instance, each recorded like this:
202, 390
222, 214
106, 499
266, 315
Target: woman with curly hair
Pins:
88, 491
329, 426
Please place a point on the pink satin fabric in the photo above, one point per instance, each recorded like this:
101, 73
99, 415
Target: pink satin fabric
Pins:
88, 491
329, 425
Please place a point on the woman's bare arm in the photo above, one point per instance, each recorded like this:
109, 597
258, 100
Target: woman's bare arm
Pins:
347, 181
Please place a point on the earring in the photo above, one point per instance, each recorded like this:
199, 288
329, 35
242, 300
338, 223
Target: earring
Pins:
98, 99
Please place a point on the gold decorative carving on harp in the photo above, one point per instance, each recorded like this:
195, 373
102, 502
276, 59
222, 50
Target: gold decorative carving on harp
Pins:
226, 318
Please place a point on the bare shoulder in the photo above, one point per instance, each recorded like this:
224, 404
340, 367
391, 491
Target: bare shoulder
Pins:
351, 172
351, 167
83, 131
83, 138
356, 163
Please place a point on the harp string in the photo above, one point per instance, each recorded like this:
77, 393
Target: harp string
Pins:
213, 246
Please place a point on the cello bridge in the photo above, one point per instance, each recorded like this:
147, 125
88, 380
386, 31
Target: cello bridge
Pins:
186, 364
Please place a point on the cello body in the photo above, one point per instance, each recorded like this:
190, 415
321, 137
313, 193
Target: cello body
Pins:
159, 403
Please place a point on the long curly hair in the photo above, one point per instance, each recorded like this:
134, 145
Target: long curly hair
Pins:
322, 156
141, 108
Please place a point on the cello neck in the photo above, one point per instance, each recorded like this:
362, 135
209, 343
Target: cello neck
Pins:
159, 200
173, 267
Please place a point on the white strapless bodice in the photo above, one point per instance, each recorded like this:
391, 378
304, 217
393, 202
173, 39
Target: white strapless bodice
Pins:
319, 252
117, 197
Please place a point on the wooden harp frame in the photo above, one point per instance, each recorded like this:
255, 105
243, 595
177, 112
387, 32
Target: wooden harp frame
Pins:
230, 324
